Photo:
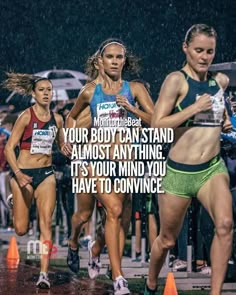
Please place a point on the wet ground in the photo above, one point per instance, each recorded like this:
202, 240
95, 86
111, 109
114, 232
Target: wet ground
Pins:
21, 279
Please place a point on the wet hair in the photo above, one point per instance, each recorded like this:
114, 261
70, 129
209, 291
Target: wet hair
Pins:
108, 42
199, 29
22, 84
131, 61
90, 69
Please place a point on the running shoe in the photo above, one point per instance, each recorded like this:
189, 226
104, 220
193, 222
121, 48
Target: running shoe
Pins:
120, 286
171, 260
83, 242
73, 260
179, 265
94, 264
148, 291
43, 281
205, 270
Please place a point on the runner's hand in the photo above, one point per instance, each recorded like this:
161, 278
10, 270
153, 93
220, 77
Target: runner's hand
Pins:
204, 103
122, 101
66, 149
23, 179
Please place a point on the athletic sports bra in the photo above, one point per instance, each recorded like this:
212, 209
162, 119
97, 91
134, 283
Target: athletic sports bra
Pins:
210, 118
104, 108
39, 136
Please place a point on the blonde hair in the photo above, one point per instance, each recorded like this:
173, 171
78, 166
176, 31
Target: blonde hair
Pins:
91, 69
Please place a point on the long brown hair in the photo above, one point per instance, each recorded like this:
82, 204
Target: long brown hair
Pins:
23, 84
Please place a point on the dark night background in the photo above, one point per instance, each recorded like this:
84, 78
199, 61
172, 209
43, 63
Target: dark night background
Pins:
39, 35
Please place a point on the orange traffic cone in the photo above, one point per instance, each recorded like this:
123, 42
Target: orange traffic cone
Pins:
12, 263
13, 252
170, 287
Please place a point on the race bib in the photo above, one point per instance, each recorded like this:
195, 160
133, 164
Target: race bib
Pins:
214, 116
42, 141
110, 112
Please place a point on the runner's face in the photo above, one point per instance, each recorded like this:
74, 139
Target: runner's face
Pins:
43, 92
200, 52
113, 60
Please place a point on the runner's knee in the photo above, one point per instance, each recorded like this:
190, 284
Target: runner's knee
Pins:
167, 242
20, 228
224, 226
114, 212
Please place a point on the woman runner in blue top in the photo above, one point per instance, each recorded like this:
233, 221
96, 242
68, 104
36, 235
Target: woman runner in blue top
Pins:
109, 102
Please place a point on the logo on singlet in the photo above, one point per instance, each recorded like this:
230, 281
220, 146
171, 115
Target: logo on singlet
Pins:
42, 132
54, 129
212, 83
105, 106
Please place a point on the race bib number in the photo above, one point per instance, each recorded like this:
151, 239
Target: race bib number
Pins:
42, 141
215, 115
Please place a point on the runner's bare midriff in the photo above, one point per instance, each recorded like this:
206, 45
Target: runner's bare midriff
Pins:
192, 146
27, 160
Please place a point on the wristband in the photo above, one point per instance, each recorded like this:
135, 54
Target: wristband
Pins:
17, 171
